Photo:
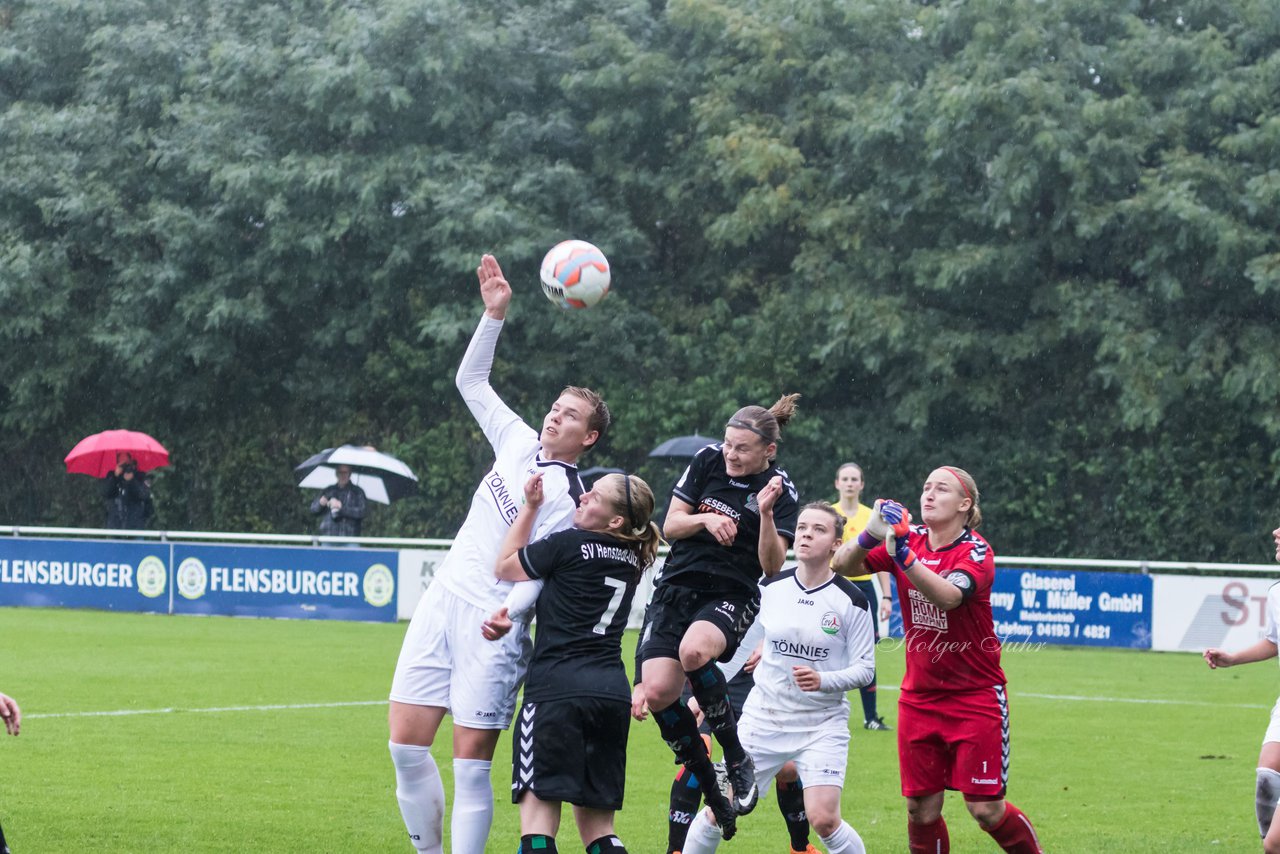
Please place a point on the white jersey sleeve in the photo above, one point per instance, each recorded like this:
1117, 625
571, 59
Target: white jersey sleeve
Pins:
521, 600
495, 418
746, 647
1273, 614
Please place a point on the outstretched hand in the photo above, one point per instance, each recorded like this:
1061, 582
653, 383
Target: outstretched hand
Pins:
494, 289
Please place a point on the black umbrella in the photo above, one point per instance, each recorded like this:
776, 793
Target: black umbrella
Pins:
594, 473
682, 446
382, 477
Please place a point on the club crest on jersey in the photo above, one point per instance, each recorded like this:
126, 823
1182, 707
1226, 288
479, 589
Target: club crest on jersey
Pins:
830, 623
752, 504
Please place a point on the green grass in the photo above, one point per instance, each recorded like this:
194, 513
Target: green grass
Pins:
1093, 775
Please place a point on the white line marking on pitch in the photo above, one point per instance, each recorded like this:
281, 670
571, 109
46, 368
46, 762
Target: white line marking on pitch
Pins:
1080, 698
1072, 698
273, 708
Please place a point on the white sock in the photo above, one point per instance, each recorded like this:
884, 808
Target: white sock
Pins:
845, 840
704, 837
421, 796
472, 805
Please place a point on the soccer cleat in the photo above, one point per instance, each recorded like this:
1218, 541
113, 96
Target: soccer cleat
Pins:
720, 800
808, 849
877, 723
742, 776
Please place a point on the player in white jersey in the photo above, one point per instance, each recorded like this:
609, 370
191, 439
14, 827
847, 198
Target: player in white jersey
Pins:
818, 643
1267, 791
445, 667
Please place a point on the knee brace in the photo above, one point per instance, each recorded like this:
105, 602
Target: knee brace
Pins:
1266, 796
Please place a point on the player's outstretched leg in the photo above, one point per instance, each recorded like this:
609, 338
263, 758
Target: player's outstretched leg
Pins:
420, 794
712, 693
686, 797
679, 729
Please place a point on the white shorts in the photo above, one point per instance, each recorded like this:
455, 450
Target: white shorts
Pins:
446, 662
820, 754
1273, 728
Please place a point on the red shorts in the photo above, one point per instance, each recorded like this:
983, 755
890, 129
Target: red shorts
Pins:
954, 740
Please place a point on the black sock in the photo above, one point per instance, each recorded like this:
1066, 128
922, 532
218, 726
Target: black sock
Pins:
606, 845
868, 695
712, 692
4, 846
791, 805
685, 797
679, 730
536, 842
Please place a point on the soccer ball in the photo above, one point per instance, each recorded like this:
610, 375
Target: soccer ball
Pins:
575, 274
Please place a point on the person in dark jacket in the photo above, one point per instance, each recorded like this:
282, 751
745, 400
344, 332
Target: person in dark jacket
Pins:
343, 506
127, 497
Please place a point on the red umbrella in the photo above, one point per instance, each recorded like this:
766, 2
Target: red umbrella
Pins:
96, 455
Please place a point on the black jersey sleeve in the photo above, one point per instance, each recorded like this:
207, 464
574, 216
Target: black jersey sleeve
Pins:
540, 558
691, 484
786, 510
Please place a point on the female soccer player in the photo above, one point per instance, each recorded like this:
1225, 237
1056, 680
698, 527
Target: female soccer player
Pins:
571, 733
849, 486
442, 668
953, 715
731, 519
1267, 793
818, 644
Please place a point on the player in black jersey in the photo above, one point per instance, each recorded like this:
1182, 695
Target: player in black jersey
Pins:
731, 519
570, 741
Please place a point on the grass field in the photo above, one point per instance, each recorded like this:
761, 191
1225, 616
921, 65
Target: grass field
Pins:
236, 735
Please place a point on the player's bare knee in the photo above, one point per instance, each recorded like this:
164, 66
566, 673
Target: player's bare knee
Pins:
987, 813
693, 655
824, 821
925, 810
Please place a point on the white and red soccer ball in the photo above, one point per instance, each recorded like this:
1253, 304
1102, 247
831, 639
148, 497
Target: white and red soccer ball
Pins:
575, 274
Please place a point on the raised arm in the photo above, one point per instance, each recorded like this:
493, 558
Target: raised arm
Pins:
772, 548
508, 567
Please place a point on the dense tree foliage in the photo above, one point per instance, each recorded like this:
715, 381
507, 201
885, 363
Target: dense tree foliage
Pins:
1036, 240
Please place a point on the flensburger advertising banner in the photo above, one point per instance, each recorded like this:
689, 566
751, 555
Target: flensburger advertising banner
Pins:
113, 575
280, 581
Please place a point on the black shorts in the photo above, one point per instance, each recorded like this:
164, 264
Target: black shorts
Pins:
868, 589
673, 609
572, 750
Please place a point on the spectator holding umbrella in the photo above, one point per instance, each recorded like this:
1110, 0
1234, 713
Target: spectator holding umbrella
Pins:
127, 496
342, 506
